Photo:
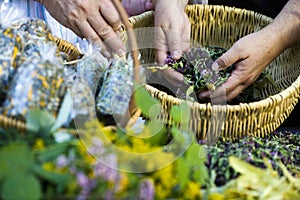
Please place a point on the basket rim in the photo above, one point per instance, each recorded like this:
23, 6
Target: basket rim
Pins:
292, 91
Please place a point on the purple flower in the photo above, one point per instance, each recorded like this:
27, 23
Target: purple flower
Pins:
62, 161
147, 190
97, 148
86, 185
82, 179
106, 168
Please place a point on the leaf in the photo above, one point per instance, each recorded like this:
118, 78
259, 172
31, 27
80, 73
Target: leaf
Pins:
201, 174
181, 114
61, 180
158, 132
15, 157
40, 121
243, 167
52, 151
195, 154
144, 101
176, 113
183, 171
64, 112
21, 186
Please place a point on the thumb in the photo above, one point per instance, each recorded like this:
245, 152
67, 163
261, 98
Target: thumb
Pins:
227, 59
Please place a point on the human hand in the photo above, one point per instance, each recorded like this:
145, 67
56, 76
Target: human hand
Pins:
251, 55
135, 7
172, 33
96, 20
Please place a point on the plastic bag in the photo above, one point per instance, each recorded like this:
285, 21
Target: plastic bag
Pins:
117, 88
38, 83
10, 45
93, 64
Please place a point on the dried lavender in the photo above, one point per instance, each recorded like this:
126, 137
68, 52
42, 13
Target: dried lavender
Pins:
196, 68
198, 73
283, 146
92, 66
116, 89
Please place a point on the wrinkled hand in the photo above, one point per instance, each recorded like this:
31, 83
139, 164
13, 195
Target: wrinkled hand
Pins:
251, 54
96, 20
172, 33
136, 7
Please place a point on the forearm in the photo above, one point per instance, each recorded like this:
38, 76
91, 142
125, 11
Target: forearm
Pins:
287, 25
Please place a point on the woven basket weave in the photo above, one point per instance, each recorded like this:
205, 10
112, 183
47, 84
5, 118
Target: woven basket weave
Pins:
222, 26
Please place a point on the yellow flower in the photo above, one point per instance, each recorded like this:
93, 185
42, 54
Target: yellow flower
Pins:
123, 184
166, 177
48, 166
161, 192
88, 159
39, 144
165, 181
216, 196
192, 191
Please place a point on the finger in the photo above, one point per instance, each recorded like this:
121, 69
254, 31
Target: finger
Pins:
173, 77
110, 14
106, 34
160, 45
174, 42
228, 58
234, 81
185, 44
234, 93
186, 38
89, 33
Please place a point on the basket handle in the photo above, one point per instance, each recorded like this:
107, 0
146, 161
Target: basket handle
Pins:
134, 112
131, 37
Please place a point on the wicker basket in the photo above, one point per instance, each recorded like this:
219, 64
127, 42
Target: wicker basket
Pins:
222, 26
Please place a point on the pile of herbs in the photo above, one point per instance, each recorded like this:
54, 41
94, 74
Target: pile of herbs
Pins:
278, 146
195, 66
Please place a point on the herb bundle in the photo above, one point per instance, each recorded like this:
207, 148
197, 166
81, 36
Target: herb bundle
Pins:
195, 66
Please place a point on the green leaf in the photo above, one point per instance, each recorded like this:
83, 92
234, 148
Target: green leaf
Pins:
61, 180
243, 167
158, 130
195, 154
183, 171
145, 102
15, 157
40, 121
176, 113
21, 186
200, 175
181, 114
53, 151
64, 112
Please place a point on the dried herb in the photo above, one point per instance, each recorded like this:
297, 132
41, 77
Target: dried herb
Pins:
196, 64
255, 183
10, 45
279, 146
116, 89
38, 83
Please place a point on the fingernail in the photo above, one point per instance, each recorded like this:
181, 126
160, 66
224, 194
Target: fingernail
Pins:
175, 54
203, 94
106, 54
120, 52
215, 66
